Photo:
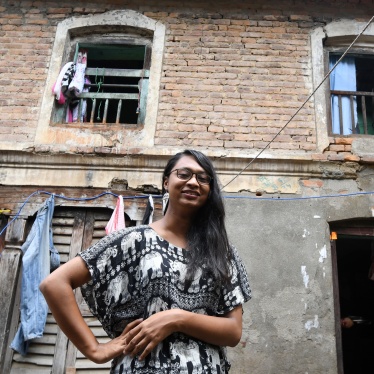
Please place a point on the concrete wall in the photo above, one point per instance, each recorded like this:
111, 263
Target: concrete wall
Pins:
290, 322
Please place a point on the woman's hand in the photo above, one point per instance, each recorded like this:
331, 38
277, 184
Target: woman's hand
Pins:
148, 334
107, 351
223, 330
347, 323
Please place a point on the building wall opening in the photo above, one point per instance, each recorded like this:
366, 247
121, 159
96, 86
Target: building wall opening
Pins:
353, 255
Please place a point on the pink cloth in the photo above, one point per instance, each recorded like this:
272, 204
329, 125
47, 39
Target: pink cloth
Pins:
117, 220
56, 89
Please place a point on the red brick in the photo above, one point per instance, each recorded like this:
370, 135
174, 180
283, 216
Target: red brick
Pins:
351, 158
345, 141
336, 148
312, 183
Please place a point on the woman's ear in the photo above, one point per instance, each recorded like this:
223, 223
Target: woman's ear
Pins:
166, 183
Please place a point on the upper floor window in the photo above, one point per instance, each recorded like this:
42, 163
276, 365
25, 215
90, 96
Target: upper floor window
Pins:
351, 82
104, 84
352, 94
106, 69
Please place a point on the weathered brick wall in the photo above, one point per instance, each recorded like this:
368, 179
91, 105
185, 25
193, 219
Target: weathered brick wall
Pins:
233, 73
238, 84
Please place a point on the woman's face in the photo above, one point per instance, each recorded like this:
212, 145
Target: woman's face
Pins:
189, 194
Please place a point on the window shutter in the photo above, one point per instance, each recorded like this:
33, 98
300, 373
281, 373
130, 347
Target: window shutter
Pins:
144, 84
73, 230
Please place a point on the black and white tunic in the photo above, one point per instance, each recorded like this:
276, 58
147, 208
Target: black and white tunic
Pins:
136, 273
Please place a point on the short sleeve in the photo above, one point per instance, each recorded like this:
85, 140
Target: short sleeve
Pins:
112, 265
237, 291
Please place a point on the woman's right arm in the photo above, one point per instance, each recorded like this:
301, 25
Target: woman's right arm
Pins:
57, 289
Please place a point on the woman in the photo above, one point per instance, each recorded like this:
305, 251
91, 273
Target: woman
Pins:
169, 294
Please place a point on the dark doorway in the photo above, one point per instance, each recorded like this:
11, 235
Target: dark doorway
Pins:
354, 258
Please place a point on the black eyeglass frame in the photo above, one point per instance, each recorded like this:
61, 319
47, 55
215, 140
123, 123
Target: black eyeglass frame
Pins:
197, 176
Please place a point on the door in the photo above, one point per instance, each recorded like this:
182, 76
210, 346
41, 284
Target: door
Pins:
353, 259
73, 230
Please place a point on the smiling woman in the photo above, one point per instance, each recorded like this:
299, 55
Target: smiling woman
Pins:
169, 294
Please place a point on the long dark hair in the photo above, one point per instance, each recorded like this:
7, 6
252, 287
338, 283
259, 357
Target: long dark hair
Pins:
207, 241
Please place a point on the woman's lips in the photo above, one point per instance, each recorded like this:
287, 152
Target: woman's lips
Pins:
191, 194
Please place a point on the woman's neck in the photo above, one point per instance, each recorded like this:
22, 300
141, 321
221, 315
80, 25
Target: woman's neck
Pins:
173, 228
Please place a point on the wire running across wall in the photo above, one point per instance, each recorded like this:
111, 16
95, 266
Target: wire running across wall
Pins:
240, 172
160, 197
302, 105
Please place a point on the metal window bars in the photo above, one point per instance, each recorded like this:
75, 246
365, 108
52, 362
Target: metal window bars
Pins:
363, 105
113, 100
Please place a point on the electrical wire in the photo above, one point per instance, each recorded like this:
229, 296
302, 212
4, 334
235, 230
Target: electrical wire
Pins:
237, 175
70, 199
160, 197
302, 105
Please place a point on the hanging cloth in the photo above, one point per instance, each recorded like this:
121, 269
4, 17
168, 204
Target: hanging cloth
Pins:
117, 220
148, 215
343, 78
77, 83
39, 258
68, 69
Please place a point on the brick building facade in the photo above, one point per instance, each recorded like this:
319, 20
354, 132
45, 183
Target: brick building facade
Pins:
228, 79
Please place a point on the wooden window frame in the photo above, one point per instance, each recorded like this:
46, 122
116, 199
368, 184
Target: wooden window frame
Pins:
99, 102
358, 95
122, 27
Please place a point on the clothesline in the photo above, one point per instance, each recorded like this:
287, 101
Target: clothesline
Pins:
160, 197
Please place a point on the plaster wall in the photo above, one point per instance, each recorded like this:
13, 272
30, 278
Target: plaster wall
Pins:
289, 325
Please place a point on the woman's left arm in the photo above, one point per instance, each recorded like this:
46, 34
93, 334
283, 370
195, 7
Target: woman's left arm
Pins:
223, 331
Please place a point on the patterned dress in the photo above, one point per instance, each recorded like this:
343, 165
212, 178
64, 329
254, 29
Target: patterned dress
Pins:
136, 273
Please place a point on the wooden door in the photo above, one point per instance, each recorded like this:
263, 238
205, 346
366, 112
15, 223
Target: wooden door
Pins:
73, 230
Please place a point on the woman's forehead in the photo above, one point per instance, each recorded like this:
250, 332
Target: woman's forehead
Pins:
188, 162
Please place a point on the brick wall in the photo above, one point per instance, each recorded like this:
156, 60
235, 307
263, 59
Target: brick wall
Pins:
233, 73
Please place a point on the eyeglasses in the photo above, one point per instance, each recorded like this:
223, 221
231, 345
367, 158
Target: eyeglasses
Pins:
186, 175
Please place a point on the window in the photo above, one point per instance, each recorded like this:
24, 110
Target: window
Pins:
352, 94
327, 44
114, 79
120, 53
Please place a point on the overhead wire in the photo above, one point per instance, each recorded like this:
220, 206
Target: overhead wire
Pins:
160, 196
302, 105
238, 174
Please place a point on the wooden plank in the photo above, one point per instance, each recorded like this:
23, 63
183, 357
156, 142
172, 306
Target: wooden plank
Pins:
63, 258
86, 231
109, 95
59, 355
87, 364
18, 369
10, 296
46, 339
124, 73
62, 240
16, 232
34, 359
41, 349
62, 221
143, 90
77, 235
62, 230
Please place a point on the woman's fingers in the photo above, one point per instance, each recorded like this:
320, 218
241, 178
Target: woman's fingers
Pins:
131, 326
141, 348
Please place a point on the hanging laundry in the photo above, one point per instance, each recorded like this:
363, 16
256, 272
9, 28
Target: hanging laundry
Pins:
74, 106
77, 83
117, 220
66, 79
39, 258
68, 70
148, 215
